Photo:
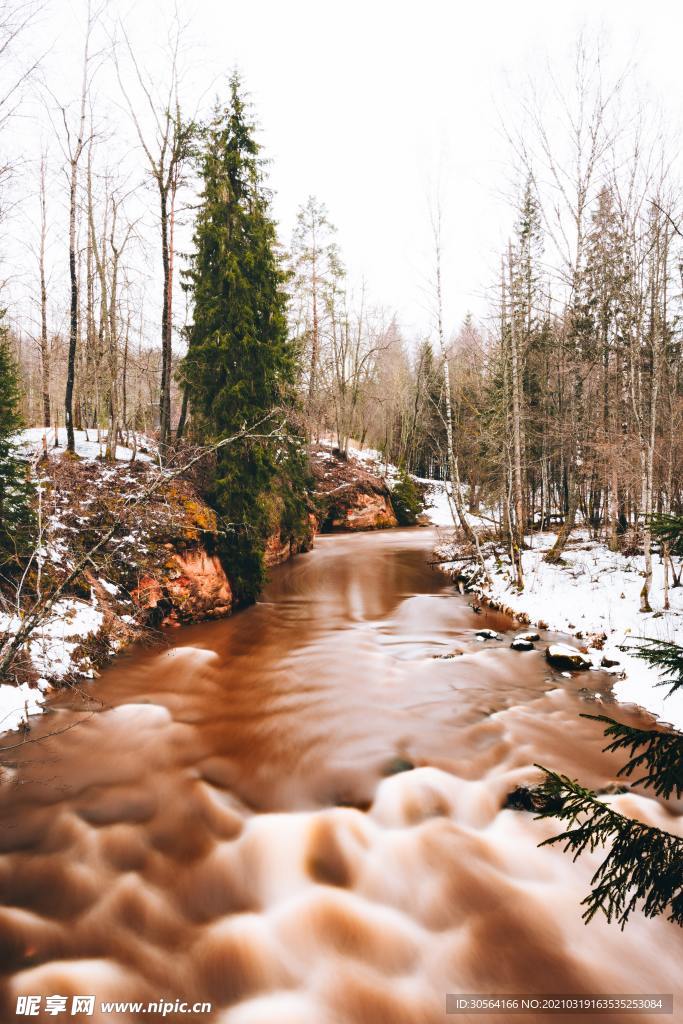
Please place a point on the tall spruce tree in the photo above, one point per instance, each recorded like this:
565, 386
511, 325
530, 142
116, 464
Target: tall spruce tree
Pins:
240, 367
14, 500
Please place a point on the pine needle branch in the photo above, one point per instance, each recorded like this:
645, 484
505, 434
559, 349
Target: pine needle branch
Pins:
659, 753
643, 867
664, 656
669, 529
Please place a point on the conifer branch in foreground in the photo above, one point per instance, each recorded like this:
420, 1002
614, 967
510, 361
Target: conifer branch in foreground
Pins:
643, 867
660, 754
665, 656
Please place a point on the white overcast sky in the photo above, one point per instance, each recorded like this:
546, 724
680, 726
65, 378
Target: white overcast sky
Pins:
366, 103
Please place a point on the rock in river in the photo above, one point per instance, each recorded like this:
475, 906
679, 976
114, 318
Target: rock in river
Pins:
563, 656
487, 634
520, 643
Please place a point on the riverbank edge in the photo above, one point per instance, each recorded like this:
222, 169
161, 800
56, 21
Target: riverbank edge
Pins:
170, 552
592, 596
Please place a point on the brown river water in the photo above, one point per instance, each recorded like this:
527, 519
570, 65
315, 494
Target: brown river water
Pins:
229, 826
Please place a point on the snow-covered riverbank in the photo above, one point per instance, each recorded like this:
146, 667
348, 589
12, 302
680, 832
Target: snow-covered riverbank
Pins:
57, 648
595, 593
155, 562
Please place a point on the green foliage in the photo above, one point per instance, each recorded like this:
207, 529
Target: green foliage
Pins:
240, 366
406, 497
668, 529
665, 656
15, 510
644, 865
659, 754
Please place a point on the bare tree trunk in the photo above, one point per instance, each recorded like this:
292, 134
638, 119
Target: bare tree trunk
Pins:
453, 488
73, 320
518, 485
183, 413
166, 150
315, 338
554, 556
74, 157
665, 564
44, 342
166, 329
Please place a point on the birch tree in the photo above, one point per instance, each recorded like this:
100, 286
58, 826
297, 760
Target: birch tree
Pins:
167, 146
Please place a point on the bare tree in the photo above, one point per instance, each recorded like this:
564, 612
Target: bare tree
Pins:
167, 148
453, 484
317, 273
75, 144
44, 341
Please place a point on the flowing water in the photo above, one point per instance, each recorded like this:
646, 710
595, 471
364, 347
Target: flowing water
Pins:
232, 826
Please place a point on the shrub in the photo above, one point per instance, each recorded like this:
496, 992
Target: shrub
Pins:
407, 499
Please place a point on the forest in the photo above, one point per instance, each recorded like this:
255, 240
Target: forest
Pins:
564, 401
188, 398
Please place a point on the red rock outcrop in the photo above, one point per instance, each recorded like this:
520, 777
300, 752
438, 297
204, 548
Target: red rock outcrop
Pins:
367, 510
349, 494
193, 587
277, 549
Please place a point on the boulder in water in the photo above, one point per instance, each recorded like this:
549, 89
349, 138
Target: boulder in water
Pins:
521, 644
487, 634
531, 798
398, 765
528, 635
563, 657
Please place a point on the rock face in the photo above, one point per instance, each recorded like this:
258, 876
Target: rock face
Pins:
194, 588
368, 511
179, 577
277, 549
348, 494
280, 549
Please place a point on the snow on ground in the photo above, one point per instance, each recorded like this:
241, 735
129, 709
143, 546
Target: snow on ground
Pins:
597, 591
51, 649
54, 643
17, 703
375, 462
438, 508
372, 459
87, 445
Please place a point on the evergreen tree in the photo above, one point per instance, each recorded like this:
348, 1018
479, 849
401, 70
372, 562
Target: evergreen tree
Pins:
14, 499
406, 497
240, 366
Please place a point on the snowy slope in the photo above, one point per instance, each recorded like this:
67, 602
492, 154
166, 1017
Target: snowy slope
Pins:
54, 643
87, 446
597, 592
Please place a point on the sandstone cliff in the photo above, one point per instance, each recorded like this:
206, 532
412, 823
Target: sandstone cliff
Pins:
349, 494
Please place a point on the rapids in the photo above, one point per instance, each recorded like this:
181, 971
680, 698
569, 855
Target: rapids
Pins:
230, 824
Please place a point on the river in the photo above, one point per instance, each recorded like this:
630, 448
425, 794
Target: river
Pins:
230, 824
